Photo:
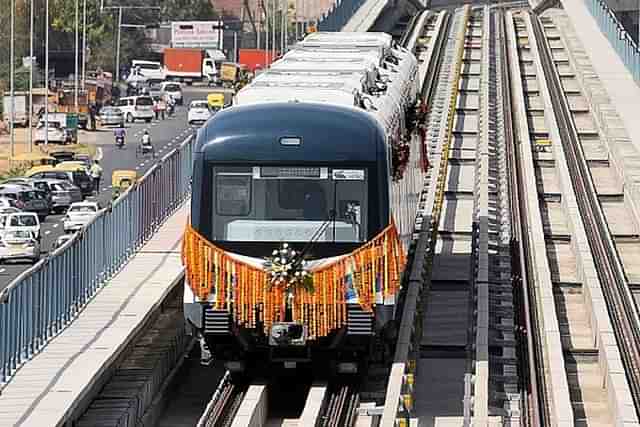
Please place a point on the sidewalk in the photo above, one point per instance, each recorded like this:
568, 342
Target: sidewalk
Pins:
618, 82
48, 388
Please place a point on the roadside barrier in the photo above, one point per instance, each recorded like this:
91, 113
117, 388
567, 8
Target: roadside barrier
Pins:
46, 298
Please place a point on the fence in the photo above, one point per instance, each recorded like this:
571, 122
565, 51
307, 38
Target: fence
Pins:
43, 300
338, 16
619, 38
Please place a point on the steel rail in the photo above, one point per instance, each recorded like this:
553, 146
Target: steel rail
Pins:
611, 274
531, 355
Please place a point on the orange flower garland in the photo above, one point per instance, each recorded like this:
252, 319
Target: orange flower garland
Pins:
371, 273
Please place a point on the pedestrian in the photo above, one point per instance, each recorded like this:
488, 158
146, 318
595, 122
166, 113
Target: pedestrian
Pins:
162, 106
96, 174
92, 116
156, 110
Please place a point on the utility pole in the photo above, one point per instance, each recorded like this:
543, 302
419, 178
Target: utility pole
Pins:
46, 74
84, 43
11, 76
31, 61
75, 74
118, 46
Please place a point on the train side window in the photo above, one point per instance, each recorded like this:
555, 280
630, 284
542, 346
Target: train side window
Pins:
233, 195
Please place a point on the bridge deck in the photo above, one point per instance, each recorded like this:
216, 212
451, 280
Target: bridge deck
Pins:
48, 388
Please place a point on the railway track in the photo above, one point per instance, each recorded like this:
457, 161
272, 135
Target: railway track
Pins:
567, 364
224, 404
467, 349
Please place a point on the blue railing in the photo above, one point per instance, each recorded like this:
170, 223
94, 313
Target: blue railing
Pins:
619, 38
339, 14
43, 300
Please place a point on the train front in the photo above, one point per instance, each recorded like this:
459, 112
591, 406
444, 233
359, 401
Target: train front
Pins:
291, 255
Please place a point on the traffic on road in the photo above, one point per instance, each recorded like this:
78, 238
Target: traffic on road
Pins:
41, 210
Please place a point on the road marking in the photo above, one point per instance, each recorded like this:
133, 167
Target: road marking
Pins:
105, 188
47, 232
141, 164
99, 154
137, 167
55, 225
2, 270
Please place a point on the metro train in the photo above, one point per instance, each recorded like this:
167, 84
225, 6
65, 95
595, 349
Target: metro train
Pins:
304, 198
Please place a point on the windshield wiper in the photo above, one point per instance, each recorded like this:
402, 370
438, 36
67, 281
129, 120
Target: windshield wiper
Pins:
316, 235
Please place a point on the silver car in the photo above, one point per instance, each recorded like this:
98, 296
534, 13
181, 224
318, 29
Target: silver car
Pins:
111, 116
63, 193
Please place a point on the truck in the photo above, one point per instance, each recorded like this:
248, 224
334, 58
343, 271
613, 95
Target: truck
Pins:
189, 65
255, 59
20, 115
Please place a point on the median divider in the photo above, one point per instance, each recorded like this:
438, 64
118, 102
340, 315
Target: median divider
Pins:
46, 298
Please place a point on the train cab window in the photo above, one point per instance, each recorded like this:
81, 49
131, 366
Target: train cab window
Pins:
233, 195
289, 204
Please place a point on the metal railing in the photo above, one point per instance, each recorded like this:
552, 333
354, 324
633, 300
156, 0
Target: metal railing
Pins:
339, 14
46, 298
619, 38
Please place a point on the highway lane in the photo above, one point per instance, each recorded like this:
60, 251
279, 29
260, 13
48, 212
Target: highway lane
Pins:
165, 135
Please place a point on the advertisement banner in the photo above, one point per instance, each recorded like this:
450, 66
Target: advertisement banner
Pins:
197, 34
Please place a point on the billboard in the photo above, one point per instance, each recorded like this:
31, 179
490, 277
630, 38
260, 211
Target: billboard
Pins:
197, 34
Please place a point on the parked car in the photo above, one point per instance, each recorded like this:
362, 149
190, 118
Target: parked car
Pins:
27, 198
20, 221
174, 90
79, 215
19, 244
111, 116
199, 112
137, 108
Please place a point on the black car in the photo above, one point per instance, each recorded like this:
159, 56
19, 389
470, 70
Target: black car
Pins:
78, 178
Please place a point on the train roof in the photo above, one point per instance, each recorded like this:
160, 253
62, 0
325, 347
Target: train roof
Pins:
348, 38
325, 64
323, 130
319, 55
338, 94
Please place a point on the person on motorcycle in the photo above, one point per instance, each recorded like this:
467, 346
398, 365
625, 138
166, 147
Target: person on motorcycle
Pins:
146, 139
146, 144
120, 134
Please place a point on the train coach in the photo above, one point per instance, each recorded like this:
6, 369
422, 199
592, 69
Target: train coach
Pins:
304, 198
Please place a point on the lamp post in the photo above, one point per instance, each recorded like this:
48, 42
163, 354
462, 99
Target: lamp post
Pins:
11, 76
75, 74
31, 77
46, 73
84, 43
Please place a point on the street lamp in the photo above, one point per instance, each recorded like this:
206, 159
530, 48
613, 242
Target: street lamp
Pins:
11, 76
31, 78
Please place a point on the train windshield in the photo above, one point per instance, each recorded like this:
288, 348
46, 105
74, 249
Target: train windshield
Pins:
290, 204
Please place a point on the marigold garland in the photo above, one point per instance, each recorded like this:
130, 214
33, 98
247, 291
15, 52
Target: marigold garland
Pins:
371, 274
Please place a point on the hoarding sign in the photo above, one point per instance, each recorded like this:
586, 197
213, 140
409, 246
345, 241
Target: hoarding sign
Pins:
197, 34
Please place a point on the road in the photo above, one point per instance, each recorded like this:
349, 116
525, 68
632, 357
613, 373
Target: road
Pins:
165, 135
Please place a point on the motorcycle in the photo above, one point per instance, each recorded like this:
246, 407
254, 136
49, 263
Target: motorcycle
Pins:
170, 109
120, 142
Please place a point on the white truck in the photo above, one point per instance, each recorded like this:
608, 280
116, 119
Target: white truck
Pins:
20, 116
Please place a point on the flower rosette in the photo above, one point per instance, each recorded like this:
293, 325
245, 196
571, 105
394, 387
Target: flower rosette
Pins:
285, 267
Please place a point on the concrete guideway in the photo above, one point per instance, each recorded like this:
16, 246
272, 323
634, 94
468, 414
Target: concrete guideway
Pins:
48, 389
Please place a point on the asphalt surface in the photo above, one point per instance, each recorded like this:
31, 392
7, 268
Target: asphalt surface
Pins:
165, 136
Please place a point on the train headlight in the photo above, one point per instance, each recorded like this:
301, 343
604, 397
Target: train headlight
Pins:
284, 334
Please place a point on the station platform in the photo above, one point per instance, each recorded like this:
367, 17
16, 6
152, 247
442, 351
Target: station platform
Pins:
47, 389
618, 82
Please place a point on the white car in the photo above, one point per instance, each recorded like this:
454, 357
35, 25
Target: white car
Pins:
19, 244
8, 210
174, 90
17, 221
79, 215
151, 71
199, 111
136, 108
